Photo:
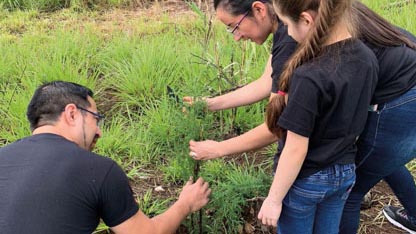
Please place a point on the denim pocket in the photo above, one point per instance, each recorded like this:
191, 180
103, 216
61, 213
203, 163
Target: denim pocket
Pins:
407, 97
303, 197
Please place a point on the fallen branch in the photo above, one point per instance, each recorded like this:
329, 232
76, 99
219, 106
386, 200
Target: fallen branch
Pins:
256, 199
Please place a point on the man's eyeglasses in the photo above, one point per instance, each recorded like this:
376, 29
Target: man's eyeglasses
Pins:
97, 116
233, 30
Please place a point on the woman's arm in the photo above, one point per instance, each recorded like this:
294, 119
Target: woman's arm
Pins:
251, 93
256, 138
288, 168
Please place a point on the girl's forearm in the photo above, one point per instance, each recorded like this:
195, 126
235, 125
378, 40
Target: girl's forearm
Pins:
254, 139
290, 163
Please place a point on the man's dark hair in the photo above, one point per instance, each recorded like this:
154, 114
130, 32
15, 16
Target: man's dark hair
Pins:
50, 99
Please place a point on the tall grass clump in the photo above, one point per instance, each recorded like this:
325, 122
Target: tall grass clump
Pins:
139, 73
22, 70
54, 5
41, 5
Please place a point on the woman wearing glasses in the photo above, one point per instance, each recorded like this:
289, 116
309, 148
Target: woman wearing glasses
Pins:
395, 74
255, 21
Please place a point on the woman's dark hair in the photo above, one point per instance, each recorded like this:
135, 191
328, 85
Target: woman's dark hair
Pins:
50, 99
329, 13
239, 7
377, 30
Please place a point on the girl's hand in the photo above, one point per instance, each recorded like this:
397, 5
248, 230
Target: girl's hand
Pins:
270, 212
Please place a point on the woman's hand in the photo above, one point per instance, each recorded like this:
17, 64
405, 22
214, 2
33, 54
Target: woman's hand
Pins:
204, 150
191, 100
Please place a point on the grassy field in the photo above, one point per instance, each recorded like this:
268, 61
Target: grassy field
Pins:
129, 56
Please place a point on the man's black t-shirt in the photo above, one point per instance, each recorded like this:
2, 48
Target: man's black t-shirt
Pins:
283, 47
397, 70
49, 185
328, 103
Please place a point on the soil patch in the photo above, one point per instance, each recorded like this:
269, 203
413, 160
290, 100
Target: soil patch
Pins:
372, 219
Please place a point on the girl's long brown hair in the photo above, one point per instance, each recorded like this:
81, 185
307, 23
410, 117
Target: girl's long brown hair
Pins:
329, 13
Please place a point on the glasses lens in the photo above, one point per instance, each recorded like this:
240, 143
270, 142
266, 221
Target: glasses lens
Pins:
234, 29
100, 122
98, 117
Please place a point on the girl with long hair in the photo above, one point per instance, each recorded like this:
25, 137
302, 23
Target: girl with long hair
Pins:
388, 141
320, 110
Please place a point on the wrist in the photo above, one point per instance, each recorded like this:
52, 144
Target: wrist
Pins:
182, 207
211, 103
274, 197
221, 149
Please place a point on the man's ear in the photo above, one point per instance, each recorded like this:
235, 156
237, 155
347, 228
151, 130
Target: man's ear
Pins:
70, 114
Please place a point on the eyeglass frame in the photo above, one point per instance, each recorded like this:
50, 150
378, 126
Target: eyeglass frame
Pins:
232, 31
99, 117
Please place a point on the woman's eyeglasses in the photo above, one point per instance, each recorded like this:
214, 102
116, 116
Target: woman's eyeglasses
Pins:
234, 30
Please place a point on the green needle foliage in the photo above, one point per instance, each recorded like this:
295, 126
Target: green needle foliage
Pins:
129, 65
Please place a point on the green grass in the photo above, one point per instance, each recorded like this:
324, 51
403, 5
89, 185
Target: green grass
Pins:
129, 69
54, 5
129, 65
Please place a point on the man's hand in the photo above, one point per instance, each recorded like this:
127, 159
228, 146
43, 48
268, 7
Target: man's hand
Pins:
195, 195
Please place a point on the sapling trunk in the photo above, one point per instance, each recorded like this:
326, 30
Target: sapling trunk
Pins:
196, 174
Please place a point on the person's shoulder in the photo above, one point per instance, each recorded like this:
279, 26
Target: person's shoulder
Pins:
22, 142
308, 71
362, 52
281, 36
355, 46
408, 34
351, 51
77, 155
94, 157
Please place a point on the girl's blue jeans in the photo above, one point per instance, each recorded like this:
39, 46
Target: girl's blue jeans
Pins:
314, 204
386, 145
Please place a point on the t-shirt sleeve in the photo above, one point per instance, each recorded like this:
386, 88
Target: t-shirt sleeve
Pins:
117, 203
302, 108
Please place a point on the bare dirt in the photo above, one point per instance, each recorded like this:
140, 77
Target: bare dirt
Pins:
372, 219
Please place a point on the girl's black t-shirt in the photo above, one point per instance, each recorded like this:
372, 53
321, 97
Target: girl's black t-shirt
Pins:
397, 72
283, 47
328, 103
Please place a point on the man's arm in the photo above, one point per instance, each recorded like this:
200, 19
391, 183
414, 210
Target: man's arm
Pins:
192, 198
